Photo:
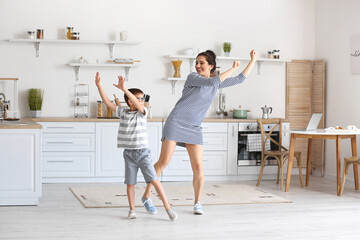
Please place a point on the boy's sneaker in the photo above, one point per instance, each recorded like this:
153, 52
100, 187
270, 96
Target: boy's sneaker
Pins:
132, 214
172, 214
198, 209
149, 205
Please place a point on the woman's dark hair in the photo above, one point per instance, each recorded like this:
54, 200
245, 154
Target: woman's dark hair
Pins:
210, 58
133, 91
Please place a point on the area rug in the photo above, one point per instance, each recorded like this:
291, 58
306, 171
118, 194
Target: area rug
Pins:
177, 194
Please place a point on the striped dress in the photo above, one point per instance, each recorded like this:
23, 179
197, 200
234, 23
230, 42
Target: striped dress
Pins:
183, 125
132, 133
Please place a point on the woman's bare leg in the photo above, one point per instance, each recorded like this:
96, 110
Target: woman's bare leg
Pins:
196, 153
167, 150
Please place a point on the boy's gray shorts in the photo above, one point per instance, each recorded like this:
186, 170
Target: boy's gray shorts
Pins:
135, 159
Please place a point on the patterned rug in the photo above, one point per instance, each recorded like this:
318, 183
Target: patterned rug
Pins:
178, 194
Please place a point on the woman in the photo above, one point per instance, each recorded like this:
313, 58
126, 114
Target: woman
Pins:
183, 126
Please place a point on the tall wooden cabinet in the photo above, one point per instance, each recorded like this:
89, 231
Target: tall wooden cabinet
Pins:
305, 95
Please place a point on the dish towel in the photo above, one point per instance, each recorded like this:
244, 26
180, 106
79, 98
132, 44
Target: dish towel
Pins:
254, 143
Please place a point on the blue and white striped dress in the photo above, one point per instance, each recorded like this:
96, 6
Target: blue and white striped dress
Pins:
184, 122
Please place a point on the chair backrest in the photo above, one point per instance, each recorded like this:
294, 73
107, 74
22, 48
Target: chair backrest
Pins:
268, 134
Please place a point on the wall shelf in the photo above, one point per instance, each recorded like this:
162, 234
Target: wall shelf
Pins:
259, 60
111, 44
126, 66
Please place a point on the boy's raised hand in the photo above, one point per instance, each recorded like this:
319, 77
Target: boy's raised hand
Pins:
236, 64
121, 83
97, 79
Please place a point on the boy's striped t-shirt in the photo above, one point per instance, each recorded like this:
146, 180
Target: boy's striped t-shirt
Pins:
132, 133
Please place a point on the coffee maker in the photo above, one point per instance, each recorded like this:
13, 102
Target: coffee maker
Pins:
266, 111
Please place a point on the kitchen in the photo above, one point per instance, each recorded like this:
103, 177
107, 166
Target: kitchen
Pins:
304, 35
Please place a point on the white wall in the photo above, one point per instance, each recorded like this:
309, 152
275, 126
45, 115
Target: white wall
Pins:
336, 23
164, 27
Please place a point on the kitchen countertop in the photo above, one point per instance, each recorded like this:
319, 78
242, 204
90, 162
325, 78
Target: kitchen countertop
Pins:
154, 119
26, 123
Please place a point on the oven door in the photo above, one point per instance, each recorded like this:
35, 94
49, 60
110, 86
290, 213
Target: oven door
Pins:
253, 158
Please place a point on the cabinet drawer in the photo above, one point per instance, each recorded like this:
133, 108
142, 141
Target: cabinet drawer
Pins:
214, 164
68, 164
214, 127
68, 142
212, 141
68, 127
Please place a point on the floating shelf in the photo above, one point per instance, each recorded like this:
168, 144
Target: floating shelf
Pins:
65, 41
259, 61
126, 66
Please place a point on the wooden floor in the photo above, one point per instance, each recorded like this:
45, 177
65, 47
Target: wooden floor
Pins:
316, 213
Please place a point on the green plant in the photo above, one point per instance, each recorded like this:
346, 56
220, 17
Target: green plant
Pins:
227, 46
35, 98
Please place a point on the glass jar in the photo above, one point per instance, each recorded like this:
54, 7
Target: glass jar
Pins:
69, 32
270, 54
100, 109
31, 34
40, 33
276, 54
75, 36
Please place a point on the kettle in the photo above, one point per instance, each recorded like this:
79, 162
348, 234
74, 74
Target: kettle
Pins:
266, 112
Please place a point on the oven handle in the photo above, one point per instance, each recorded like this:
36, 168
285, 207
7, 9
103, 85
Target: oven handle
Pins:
245, 135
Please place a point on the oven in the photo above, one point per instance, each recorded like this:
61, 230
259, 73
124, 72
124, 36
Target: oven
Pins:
252, 156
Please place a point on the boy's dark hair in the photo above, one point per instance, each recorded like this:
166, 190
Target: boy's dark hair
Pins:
133, 91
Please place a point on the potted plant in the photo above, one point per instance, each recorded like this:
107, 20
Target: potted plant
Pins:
227, 48
35, 100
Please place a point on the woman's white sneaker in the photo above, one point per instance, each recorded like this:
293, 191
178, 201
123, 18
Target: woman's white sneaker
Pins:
198, 209
132, 214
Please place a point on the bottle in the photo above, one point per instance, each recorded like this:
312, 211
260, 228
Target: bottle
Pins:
77, 102
69, 33
38, 33
100, 109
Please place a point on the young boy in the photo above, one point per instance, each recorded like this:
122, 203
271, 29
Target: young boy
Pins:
132, 136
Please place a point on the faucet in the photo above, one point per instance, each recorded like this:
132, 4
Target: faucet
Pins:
2, 107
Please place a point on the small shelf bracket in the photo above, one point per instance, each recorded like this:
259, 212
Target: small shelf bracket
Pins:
192, 63
77, 73
37, 47
259, 66
127, 72
111, 49
173, 84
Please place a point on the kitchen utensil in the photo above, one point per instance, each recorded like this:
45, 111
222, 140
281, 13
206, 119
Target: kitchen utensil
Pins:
220, 105
266, 112
117, 102
240, 113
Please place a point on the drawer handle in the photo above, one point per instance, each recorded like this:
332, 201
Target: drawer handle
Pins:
60, 127
60, 142
54, 161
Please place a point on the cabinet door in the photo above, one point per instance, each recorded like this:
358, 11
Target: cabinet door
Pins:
109, 158
214, 164
19, 167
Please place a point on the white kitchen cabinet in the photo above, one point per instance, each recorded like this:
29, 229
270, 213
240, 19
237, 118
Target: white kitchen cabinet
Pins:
215, 139
109, 158
20, 176
68, 150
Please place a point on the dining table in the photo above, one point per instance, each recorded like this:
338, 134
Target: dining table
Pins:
335, 134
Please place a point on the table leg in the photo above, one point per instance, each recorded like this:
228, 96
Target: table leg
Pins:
338, 162
290, 162
354, 154
308, 163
